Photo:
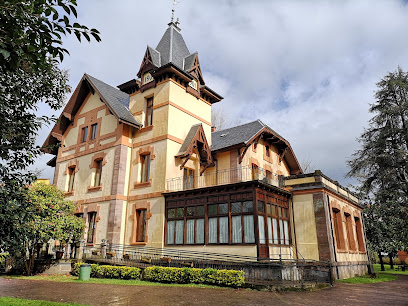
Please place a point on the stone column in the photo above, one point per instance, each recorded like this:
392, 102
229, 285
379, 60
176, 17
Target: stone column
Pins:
118, 188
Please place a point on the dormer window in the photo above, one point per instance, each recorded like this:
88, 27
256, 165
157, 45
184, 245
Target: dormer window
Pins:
147, 78
193, 84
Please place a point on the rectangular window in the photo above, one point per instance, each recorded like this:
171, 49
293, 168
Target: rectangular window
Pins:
267, 153
94, 129
187, 225
277, 222
84, 133
261, 225
91, 227
145, 172
359, 234
188, 178
255, 172
338, 229
71, 179
195, 224
80, 215
149, 112
350, 236
141, 225
98, 173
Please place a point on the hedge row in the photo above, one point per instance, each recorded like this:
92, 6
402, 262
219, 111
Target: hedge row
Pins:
110, 271
168, 275
190, 275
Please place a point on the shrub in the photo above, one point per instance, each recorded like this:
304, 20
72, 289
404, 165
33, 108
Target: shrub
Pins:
109, 271
129, 273
386, 260
191, 275
406, 261
397, 261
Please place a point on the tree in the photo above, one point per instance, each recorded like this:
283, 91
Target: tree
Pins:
52, 218
31, 48
381, 165
30, 51
222, 120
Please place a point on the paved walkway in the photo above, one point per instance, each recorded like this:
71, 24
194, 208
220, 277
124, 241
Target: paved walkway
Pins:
386, 293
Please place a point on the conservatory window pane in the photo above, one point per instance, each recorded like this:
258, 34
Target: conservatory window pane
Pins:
236, 229
179, 231
170, 232
281, 239
212, 230
249, 234
200, 231
286, 227
224, 237
269, 221
275, 231
190, 231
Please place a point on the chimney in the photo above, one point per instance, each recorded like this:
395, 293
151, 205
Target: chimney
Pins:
213, 129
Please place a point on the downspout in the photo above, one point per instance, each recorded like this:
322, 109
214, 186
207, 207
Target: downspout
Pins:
294, 227
332, 234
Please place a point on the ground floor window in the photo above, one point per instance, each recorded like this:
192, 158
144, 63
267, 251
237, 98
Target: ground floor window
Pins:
223, 223
91, 227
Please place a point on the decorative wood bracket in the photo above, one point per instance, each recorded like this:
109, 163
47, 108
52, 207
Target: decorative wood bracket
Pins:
241, 156
282, 154
185, 161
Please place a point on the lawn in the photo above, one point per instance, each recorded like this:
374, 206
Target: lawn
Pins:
366, 279
134, 282
7, 301
377, 269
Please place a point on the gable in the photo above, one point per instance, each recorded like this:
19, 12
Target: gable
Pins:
116, 101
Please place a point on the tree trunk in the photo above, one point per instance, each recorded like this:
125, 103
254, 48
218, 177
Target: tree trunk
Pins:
391, 261
381, 261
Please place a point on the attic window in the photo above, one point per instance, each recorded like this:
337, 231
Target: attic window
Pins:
225, 134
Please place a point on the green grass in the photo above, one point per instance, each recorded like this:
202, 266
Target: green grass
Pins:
366, 279
377, 269
134, 282
7, 301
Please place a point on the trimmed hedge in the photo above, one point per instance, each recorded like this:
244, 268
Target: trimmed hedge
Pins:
110, 271
190, 275
231, 278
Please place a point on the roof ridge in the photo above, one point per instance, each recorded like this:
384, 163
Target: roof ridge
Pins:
233, 127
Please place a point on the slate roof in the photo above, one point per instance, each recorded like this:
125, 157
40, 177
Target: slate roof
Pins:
172, 47
155, 56
236, 135
118, 101
188, 61
188, 139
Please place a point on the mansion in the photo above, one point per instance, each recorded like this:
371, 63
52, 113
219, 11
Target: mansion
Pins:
146, 167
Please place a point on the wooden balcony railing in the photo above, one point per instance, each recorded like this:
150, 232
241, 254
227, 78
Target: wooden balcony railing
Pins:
222, 177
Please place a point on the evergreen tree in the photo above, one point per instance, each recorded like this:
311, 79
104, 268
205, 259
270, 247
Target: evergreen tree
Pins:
381, 165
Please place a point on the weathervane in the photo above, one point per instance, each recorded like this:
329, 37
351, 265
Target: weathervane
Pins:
175, 2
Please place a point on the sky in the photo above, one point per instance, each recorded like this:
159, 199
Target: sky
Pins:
308, 69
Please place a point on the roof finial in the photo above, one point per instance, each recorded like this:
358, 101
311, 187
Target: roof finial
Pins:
175, 2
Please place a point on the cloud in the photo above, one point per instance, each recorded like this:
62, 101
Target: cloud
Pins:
306, 68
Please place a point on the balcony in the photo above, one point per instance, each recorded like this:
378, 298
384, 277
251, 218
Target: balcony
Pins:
222, 177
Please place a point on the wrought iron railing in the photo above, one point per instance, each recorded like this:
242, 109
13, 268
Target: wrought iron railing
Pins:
222, 177
257, 270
